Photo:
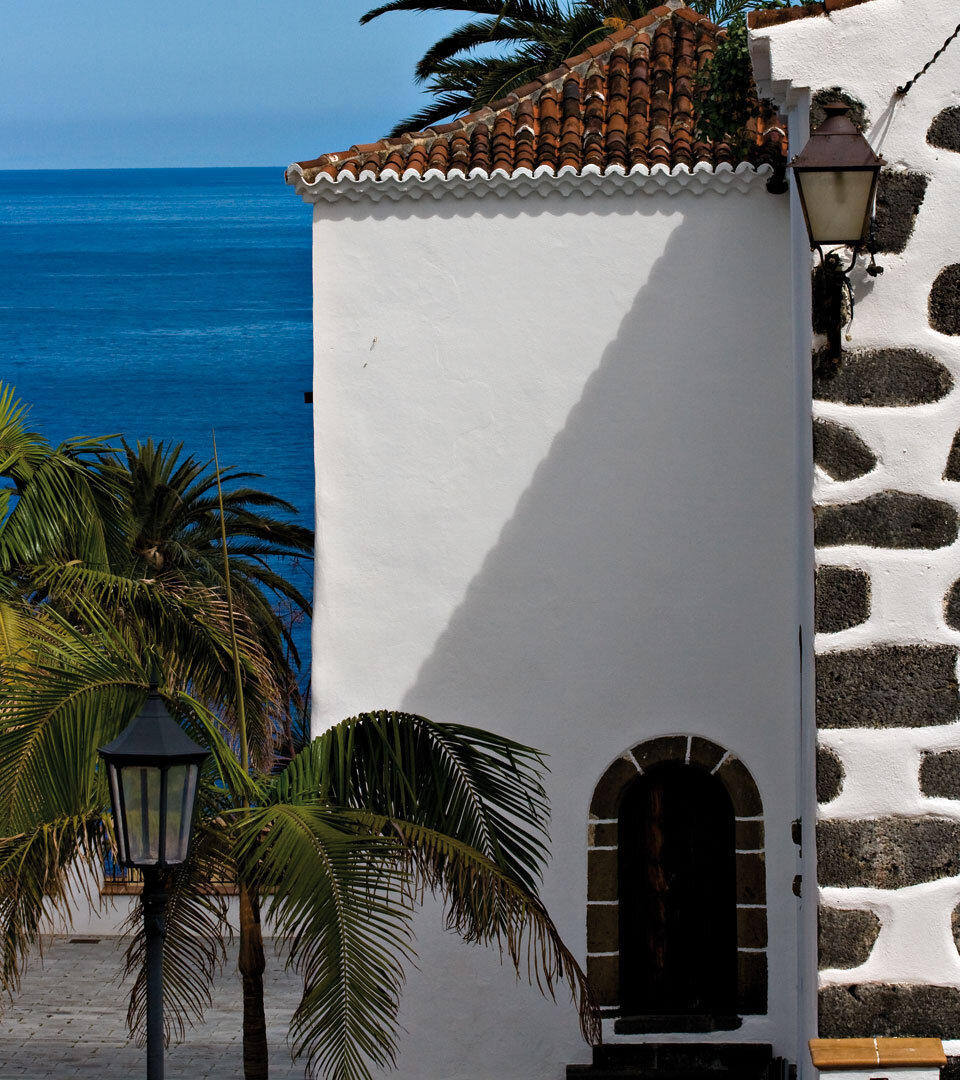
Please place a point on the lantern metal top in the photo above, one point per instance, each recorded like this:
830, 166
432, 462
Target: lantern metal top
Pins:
837, 144
153, 738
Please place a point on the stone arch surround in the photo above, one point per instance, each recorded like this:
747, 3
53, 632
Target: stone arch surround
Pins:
602, 865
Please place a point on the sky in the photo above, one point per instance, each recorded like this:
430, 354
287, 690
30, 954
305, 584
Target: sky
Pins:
87, 84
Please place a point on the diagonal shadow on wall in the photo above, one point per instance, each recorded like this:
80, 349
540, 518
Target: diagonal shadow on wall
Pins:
647, 569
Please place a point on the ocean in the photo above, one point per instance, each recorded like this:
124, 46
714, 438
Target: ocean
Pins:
164, 303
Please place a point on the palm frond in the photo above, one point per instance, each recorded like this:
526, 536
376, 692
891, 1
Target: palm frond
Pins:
470, 36
487, 906
518, 8
345, 920
479, 788
41, 874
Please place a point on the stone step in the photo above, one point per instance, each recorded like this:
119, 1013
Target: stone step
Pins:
676, 1061
635, 1072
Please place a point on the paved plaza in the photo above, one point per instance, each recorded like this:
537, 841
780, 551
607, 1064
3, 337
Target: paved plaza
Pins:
68, 1021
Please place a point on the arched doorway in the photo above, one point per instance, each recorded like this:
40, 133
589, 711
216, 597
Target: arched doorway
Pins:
676, 889
677, 904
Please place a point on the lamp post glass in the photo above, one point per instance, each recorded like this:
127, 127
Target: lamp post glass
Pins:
157, 815
152, 767
836, 174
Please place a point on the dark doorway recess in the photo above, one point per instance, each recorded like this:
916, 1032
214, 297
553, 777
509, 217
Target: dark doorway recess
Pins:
677, 911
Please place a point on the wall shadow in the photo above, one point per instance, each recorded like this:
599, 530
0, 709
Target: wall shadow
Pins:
642, 570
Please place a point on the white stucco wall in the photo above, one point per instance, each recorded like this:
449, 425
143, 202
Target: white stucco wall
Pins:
557, 450
868, 50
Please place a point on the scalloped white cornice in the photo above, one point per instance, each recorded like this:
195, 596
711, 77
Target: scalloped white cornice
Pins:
543, 181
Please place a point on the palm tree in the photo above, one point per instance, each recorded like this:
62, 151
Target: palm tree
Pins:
122, 538
111, 565
519, 40
136, 535
343, 842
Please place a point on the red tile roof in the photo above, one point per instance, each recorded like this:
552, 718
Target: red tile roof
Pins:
627, 101
758, 20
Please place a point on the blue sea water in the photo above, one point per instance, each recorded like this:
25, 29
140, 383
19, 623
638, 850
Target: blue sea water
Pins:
164, 303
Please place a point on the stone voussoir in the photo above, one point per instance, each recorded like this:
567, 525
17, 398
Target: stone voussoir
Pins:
887, 853
888, 686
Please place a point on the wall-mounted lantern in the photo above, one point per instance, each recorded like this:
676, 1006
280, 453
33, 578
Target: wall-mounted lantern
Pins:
152, 768
837, 173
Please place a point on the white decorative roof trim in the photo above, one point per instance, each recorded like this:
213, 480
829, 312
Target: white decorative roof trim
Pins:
543, 181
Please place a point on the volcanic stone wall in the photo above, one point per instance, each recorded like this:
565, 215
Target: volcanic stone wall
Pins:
887, 492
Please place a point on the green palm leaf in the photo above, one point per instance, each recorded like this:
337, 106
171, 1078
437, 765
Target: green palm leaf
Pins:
343, 912
480, 788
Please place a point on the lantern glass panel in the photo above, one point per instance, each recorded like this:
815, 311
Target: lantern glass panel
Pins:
141, 798
118, 822
836, 202
181, 789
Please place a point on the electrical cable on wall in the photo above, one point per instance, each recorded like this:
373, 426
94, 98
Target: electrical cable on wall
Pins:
902, 91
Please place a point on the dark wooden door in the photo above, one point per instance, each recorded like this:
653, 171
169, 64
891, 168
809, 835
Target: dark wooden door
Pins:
678, 919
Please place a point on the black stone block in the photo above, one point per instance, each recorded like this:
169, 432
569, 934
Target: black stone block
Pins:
944, 303
840, 452
841, 598
945, 129
889, 1010
882, 377
887, 853
951, 606
829, 775
888, 686
890, 519
940, 775
899, 197
845, 938
826, 96
952, 468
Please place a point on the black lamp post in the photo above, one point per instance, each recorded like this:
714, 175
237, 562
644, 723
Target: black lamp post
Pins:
837, 173
152, 767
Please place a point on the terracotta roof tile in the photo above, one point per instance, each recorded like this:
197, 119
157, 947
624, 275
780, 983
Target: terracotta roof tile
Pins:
759, 20
627, 101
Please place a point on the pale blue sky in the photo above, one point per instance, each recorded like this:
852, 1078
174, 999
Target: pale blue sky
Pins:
125, 83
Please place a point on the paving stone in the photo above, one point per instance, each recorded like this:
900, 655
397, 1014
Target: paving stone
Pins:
68, 1021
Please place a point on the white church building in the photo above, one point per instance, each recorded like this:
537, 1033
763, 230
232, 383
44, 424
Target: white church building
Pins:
565, 381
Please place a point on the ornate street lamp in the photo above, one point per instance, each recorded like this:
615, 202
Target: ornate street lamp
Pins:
152, 767
837, 173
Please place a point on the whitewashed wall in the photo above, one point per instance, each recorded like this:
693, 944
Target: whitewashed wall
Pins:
868, 50
557, 450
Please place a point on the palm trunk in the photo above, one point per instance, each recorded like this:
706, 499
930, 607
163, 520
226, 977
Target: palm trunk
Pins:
255, 1058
